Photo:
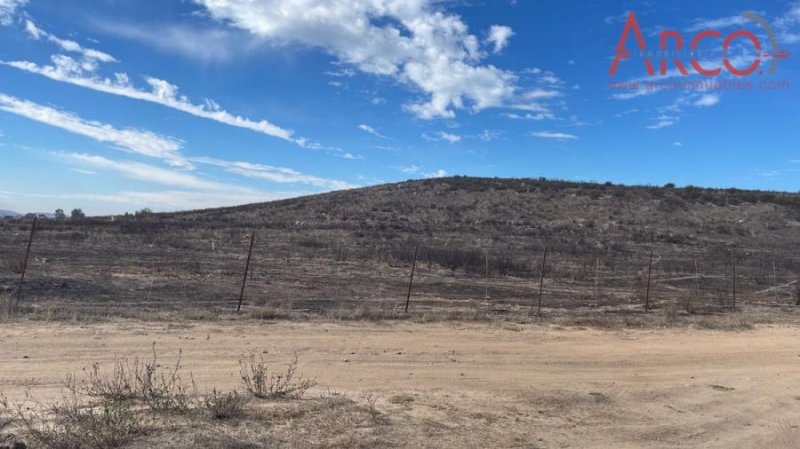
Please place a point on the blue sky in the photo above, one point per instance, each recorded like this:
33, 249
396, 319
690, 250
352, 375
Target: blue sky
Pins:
117, 105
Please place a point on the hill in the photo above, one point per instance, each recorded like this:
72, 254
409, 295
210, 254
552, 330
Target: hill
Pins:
8, 213
578, 215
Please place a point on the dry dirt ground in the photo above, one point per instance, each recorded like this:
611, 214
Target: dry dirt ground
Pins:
475, 385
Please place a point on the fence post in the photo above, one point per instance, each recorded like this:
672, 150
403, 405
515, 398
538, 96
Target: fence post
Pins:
25, 263
541, 282
649, 275
733, 277
596, 276
246, 269
697, 281
339, 258
486, 281
774, 280
411, 280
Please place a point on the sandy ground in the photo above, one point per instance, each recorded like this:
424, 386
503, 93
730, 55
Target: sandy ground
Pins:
487, 385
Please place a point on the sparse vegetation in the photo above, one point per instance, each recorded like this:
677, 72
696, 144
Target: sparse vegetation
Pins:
159, 388
75, 424
347, 255
224, 405
263, 383
8, 308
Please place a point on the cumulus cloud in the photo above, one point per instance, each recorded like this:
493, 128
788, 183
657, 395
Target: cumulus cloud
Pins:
133, 140
554, 135
410, 41
499, 36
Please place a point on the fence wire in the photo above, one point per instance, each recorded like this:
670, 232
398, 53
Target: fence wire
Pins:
111, 268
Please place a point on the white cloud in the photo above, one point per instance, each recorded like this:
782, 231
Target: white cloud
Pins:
437, 174
66, 69
716, 24
707, 100
370, 130
133, 140
145, 172
206, 44
274, 174
663, 122
351, 156
84, 171
8, 8
417, 170
488, 136
442, 136
554, 135
528, 116
90, 55
499, 36
413, 42
677, 144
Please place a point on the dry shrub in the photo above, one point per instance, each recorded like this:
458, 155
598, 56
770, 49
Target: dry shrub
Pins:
73, 424
160, 389
12, 263
670, 314
726, 322
264, 384
8, 308
267, 313
224, 405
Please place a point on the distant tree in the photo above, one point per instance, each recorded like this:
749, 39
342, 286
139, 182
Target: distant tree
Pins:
77, 214
60, 215
145, 211
669, 185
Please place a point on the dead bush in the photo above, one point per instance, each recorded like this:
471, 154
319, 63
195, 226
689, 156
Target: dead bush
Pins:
263, 384
160, 389
670, 314
13, 263
224, 405
73, 424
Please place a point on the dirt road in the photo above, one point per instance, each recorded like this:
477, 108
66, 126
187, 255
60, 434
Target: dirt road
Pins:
487, 385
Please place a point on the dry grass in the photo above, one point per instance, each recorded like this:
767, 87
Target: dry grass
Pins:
263, 383
8, 308
159, 388
134, 405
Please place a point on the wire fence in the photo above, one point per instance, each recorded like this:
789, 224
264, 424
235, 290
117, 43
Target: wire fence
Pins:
107, 268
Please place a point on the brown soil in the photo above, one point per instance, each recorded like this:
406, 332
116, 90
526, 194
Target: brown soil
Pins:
474, 385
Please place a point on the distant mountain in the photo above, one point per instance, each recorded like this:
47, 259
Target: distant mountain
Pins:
8, 213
